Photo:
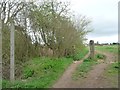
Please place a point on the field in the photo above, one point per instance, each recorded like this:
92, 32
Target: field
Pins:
108, 48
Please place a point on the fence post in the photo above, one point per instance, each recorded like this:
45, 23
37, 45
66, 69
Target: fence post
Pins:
91, 44
12, 66
0, 51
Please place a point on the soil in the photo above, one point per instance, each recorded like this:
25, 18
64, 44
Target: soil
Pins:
94, 78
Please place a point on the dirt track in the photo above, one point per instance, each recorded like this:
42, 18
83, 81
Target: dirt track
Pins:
94, 78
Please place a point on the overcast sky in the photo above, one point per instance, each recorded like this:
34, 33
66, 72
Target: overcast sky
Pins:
104, 16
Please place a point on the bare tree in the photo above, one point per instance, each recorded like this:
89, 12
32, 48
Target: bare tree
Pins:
55, 27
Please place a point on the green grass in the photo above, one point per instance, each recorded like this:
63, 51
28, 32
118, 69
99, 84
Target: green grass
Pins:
100, 56
86, 66
80, 54
111, 74
40, 73
83, 69
113, 69
43, 72
108, 48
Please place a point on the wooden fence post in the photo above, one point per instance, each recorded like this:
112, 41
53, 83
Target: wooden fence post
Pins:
12, 62
0, 51
91, 44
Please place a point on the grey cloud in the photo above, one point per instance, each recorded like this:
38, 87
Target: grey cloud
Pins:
104, 29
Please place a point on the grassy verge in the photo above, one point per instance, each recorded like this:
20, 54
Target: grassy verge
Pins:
86, 66
111, 74
80, 54
42, 72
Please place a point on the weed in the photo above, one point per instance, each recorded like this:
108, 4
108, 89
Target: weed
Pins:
86, 66
28, 73
100, 56
43, 71
111, 74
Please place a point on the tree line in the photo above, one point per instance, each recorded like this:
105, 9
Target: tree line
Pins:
42, 26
